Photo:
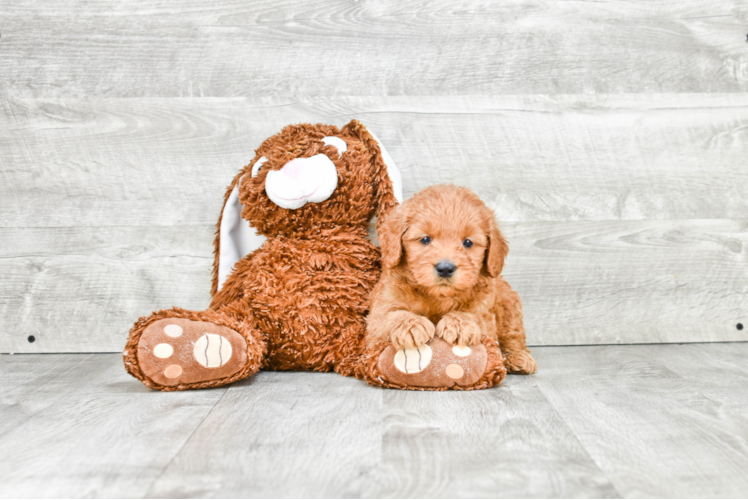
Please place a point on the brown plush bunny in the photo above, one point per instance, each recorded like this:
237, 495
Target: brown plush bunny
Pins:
293, 267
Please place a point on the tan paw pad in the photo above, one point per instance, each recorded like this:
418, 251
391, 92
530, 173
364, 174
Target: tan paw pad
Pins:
173, 330
413, 360
173, 371
163, 351
454, 371
212, 350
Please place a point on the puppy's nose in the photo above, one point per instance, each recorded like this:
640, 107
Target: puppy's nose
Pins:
445, 268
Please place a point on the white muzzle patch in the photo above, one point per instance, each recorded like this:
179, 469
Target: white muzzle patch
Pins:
302, 181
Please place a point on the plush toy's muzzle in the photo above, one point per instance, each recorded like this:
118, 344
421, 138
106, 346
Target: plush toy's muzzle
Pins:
302, 181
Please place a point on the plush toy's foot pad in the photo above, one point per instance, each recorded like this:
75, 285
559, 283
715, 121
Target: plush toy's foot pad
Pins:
177, 351
437, 364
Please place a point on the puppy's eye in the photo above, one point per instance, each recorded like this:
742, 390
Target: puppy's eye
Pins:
258, 165
467, 243
426, 240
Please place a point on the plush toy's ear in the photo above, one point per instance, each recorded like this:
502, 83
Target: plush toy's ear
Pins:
387, 179
390, 233
497, 250
235, 238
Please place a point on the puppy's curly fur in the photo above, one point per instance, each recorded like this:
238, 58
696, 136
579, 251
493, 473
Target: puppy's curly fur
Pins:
413, 303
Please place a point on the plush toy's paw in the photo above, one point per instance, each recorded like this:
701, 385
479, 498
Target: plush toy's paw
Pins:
434, 365
520, 362
180, 352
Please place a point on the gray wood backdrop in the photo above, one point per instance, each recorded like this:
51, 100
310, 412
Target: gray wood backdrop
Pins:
610, 137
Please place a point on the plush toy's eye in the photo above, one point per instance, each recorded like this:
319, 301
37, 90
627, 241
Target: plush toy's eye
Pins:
258, 165
339, 143
426, 240
467, 243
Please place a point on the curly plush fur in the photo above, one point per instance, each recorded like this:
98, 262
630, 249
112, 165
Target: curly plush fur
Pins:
413, 303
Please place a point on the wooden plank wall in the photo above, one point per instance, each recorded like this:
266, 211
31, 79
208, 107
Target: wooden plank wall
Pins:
611, 138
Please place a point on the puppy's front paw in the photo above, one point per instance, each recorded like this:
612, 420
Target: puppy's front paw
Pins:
520, 362
459, 329
411, 331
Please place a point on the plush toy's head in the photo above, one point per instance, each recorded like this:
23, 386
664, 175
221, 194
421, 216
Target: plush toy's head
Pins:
311, 177
305, 180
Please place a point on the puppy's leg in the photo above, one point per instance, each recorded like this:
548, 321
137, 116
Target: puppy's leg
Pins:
459, 328
511, 333
407, 330
517, 358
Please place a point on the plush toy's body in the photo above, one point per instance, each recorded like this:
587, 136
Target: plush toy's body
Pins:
293, 270
309, 297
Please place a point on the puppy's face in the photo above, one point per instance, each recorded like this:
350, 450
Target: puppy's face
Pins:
443, 253
447, 238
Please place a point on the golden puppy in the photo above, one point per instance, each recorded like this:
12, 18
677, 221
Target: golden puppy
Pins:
442, 255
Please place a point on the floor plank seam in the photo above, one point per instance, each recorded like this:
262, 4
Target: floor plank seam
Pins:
581, 445
197, 427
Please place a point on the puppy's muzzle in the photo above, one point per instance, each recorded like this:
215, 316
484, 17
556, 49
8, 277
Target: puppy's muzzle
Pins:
445, 268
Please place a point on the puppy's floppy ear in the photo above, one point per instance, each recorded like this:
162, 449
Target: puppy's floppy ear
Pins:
390, 233
497, 250
387, 179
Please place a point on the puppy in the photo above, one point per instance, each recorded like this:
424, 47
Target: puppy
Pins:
442, 256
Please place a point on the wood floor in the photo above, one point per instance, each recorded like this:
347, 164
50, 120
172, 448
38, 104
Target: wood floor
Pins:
596, 421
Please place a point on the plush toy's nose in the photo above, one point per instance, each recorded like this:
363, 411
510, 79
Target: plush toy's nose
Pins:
295, 167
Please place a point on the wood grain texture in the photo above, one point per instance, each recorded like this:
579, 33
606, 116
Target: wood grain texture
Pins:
101, 162
79, 426
22, 377
625, 214
333, 48
81, 289
652, 431
596, 421
334, 437
622, 282
484, 444
282, 435
717, 371
586, 282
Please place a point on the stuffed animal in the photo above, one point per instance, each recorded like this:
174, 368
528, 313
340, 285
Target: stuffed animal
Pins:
293, 272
